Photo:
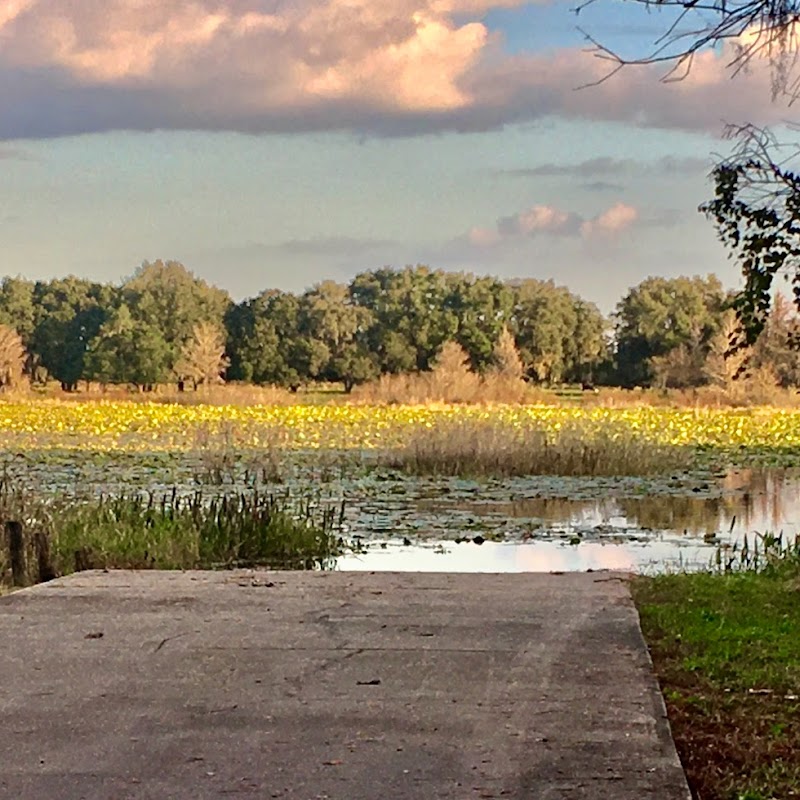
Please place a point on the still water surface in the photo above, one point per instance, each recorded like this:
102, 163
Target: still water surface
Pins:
642, 528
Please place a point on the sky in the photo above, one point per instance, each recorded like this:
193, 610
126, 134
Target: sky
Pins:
279, 143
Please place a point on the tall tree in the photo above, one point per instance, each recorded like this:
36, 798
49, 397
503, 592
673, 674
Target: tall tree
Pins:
168, 297
726, 360
481, 307
127, 350
544, 323
411, 318
662, 314
266, 344
756, 206
69, 314
331, 319
775, 349
17, 308
506, 361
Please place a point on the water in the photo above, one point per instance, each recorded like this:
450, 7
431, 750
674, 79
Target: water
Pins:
532, 524
679, 523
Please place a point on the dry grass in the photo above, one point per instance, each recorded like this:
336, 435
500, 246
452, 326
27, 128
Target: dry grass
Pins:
473, 448
234, 394
420, 388
746, 395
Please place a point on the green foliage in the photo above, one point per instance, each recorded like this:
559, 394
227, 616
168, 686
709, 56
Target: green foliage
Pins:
756, 210
128, 351
412, 316
559, 336
69, 314
660, 315
167, 297
667, 331
334, 322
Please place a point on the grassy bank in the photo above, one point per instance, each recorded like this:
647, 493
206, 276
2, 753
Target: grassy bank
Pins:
170, 531
726, 648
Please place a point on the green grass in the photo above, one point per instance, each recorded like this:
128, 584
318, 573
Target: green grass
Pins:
726, 647
171, 531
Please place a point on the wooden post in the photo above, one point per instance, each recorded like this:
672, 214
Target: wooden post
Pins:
41, 543
84, 559
16, 551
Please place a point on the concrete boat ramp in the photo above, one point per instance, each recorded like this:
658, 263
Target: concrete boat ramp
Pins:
335, 686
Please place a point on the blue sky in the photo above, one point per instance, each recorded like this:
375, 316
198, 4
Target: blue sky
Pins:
276, 144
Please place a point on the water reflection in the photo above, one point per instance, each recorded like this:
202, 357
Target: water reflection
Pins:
540, 556
679, 528
751, 501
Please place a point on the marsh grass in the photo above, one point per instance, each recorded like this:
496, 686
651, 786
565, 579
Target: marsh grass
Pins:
765, 553
171, 531
226, 456
475, 448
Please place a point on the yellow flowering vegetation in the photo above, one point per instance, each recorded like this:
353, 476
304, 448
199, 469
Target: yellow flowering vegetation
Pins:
155, 426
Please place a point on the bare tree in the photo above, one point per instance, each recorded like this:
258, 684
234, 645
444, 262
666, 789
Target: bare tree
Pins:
12, 357
727, 359
452, 361
203, 359
505, 357
755, 29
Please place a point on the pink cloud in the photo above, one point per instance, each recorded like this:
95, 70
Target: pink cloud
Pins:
386, 66
614, 220
544, 219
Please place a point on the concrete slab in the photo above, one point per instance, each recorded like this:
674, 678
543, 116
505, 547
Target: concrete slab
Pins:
345, 686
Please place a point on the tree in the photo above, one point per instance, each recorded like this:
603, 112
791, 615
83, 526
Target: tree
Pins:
452, 361
756, 207
726, 360
774, 348
505, 357
69, 314
203, 359
481, 307
167, 297
411, 318
660, 315
544, 320
17, 309
127, 350
266, 344
12, 357
682, 366
331, 320
587, 348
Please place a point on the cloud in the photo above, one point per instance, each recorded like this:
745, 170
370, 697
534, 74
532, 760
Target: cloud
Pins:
615, 219
385, 67
15, 154
545, 219
604, 166
603, 186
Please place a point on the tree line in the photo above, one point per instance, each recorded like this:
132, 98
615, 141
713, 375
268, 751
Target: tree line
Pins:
164, 324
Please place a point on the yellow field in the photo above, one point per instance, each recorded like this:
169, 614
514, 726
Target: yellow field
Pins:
157, 426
